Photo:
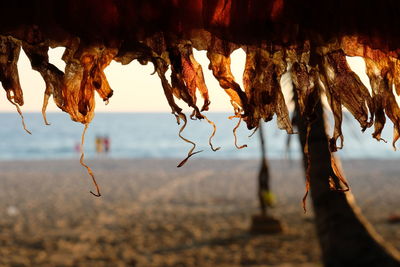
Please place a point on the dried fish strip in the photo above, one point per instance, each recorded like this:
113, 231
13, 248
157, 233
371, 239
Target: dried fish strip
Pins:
83, 75
383, 97
9, 78
220, 66
336, 107
261, 80
337, 177
182, 79
9, 54
53, 77
344, 87
303, 76
194, 77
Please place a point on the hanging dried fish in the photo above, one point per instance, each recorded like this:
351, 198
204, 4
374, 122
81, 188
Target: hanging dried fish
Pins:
53, 77
221, 68
379, 73
83, 75
182, 77
9, 78
304, 76
261, 80
193, 75
337, 177
344, 87
161, 68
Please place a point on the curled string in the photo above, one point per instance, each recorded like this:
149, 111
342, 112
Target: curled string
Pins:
255, 130
308, 170
190, 153
212, 135
89, 170
44, 107
381, 139
20, 114
235, 129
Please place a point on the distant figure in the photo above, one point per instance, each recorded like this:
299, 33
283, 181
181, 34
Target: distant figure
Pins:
106, 142
99, 144
77, 147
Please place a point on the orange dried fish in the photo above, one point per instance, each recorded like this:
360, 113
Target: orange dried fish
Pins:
182, 79
337, 177
83, 75
221, 68
193, 75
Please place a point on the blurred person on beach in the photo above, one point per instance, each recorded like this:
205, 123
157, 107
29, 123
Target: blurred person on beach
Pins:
99, 144
78, 147
106, 143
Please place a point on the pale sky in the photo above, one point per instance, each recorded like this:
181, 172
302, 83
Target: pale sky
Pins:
135, 90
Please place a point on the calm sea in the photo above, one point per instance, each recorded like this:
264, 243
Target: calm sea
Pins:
155, 135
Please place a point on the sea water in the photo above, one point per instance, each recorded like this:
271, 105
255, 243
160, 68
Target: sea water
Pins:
155, 135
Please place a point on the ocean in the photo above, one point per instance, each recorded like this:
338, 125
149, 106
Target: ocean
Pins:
155, 135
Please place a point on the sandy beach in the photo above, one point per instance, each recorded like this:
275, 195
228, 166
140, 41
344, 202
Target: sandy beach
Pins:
153, 214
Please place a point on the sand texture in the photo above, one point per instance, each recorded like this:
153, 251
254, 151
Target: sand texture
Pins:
153, 214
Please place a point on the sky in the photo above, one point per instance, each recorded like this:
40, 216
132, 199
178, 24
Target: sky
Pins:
135, 89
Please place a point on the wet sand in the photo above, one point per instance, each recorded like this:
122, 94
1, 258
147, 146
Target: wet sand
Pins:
153, 214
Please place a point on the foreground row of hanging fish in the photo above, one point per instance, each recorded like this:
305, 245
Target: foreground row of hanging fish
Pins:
277, 36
